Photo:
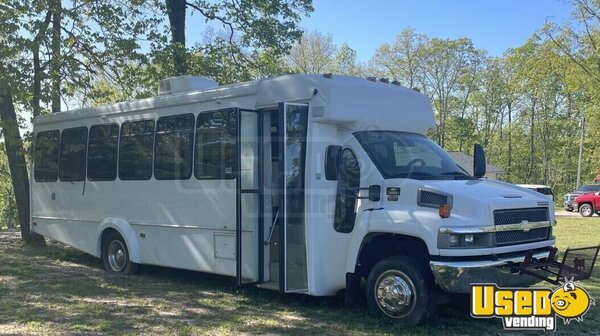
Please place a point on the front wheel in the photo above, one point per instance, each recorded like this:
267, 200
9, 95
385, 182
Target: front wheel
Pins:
586, 210
399, 289
116, 256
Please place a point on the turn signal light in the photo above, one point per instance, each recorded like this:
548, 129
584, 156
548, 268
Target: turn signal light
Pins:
444, 211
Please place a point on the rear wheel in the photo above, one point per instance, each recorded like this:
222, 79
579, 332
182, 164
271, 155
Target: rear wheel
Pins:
399, 289
586, 210
116, 256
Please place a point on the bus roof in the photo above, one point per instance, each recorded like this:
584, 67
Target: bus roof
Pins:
358, 103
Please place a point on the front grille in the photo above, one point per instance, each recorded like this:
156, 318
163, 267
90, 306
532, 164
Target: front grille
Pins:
521, 237
518, 216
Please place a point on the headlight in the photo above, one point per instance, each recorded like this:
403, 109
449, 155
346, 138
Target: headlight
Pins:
468, 240
453, 240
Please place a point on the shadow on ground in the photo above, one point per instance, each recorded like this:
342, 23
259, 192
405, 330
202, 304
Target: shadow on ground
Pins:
59, 290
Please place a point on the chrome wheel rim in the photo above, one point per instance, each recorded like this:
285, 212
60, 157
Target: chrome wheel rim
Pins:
395, 294
117, 259
586, 211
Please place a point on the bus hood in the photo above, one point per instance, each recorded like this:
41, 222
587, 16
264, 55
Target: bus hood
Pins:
490, 190
473, 201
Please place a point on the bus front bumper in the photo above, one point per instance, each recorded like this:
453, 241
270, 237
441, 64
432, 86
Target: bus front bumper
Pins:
457, 276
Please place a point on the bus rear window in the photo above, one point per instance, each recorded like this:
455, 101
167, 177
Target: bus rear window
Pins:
46, 156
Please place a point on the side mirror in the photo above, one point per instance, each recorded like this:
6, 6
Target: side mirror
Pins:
332, 157
479, 165
374, 193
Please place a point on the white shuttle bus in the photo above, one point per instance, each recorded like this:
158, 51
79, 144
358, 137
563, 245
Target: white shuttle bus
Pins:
300, 183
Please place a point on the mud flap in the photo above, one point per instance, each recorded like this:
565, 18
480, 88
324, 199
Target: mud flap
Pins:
352, 288
577, 264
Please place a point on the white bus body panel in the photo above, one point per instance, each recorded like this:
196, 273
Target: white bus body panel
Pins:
190, 224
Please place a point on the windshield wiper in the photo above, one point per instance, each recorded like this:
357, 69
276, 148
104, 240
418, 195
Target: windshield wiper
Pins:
412, 174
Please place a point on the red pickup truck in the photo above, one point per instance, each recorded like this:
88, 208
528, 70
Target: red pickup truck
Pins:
588, 204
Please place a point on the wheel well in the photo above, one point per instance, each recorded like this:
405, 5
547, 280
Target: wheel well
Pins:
377, 246
103, 236
588, 203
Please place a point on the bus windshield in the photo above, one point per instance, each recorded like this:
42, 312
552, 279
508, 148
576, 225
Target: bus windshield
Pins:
409, 155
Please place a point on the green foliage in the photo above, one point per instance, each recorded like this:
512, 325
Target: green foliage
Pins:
524, 107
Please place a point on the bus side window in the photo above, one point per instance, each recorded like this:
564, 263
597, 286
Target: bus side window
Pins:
102, 152
347, 191
215, 156
73, 147
46, 156
135, 150
173, 147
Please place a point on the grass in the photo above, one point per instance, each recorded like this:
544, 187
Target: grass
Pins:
56, 290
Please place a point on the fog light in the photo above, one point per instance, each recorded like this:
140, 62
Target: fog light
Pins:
444, 211
453, 241
469, 238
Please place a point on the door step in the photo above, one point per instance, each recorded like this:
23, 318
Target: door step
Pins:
269, 285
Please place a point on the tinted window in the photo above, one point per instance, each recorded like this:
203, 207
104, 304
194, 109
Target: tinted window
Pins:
73, 144
102, 152
135, 150
348, 184
46, 156
174, 145
215, 155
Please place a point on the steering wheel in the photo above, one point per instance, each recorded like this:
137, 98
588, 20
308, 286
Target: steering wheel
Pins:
415, 161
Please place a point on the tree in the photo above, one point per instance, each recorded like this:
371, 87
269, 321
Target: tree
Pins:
314, 53
402, 60
444, 64
17, 164
344, 62
75, 52
11, 82
255, 25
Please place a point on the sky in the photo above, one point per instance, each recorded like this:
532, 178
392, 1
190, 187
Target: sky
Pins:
494, 25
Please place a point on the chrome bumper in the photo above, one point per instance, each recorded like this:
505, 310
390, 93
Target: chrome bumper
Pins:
457, 276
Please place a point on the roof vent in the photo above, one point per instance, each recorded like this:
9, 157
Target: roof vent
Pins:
185, 84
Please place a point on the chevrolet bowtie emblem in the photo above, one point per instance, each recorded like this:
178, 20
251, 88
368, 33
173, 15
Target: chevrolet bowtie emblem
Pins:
526, 226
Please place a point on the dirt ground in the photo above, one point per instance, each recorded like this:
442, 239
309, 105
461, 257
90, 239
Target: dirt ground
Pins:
57, 290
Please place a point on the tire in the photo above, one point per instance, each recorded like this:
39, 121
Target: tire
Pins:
115, 255
585, 210
404, 274
568, 209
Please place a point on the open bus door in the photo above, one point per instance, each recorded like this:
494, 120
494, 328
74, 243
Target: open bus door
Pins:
293, 120
249, 201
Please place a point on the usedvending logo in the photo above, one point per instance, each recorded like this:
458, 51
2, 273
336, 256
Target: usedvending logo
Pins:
530, 308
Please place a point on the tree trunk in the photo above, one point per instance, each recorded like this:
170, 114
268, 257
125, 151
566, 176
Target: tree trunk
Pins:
17, 165
37, 69
56, 57
176, 11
